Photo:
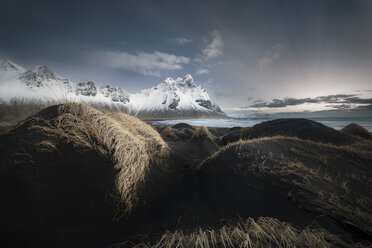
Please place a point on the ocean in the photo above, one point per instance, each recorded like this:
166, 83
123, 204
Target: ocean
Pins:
247, 119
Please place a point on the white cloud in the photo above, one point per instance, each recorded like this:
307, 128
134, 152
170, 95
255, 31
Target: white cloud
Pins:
197, 60
141, 62
270, 56
202, 71
182, 40
214, 49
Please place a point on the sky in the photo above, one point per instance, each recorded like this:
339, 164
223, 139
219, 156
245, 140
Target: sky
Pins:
266, 54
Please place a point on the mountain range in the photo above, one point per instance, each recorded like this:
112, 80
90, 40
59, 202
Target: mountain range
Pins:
171, 98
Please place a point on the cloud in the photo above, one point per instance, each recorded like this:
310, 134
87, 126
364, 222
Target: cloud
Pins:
336, 101
362, 107
197, 60
214, 49
340, 106
182, 40
270, 56
141, 62
202, 71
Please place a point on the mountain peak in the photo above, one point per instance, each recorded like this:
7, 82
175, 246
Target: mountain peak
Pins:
172, 97
45, 72
7, 65
187, 81
39, 76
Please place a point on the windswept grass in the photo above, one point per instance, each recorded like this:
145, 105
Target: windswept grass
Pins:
357, 130
359, 149
265, 232
46, 146
169, 132
334, 181
134, 147
201, 132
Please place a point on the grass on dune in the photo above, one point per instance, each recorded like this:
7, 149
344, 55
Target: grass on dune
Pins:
314, 169
135, 148
201, 132
169, 132
265, 232
361, 148
357, 130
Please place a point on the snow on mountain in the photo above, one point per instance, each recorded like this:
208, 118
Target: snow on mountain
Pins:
170, 98
9, 66
116, 94
47, 84
173, 98
86, 89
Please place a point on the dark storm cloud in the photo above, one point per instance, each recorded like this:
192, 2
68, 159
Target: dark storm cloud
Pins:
235, 46
342, 101
367, 107
340, 106
277, 103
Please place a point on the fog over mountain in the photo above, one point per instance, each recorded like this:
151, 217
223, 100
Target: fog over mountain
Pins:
179, 97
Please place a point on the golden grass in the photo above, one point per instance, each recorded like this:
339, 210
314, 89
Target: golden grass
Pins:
201, 132
135, 148
362, 149
319, 182
265, 232
5, 129
357, 130
46, 146
169, 132
342, 202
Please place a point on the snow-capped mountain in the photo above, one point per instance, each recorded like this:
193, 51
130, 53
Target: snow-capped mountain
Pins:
9, 66
174, 98
116, 94
41, 78
170, 98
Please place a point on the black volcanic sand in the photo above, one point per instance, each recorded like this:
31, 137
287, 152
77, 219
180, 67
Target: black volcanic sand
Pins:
61, 197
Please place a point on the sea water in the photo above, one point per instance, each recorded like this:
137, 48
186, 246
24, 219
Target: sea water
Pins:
244, 119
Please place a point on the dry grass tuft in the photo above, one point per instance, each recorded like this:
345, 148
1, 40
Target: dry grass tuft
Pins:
332, 179
46, 146
357, 130
135, 148
265, 232
169, 132
201, 132
5, 129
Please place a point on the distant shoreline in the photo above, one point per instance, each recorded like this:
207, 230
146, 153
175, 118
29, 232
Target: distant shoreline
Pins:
149, 119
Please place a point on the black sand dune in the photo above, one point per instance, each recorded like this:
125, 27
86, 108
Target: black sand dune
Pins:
322, 180
301, 128
73, 176
356, 130
61, 182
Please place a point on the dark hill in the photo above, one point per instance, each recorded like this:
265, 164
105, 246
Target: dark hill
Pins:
70, 172
357, 130
301, 128
251, 177
74, 176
